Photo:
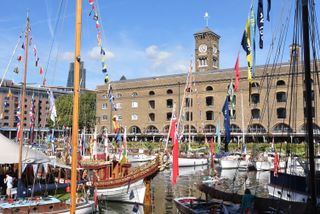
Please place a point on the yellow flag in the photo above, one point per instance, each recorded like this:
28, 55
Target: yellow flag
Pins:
246, 45
9, 93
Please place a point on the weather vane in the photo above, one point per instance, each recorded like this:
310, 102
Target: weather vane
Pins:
206, 18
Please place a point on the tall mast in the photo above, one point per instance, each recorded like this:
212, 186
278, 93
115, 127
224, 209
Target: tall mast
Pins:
309, 125
75, 116
22, 106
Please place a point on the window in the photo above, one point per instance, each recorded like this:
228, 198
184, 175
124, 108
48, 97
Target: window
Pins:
203, 62
209, 88
104, 106
118, 105
281, 113
281, 83
6, 117
5, 124
169, 91
281, 97
134, 94
255, 113
134, 104
169, 115
188, 116
104, 117
209, 115
152, 104
169, 103
188, 102
151, 93
152, 117
255, 98
209, 101
134, 117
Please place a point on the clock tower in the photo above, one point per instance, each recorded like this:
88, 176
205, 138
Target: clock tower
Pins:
206, 50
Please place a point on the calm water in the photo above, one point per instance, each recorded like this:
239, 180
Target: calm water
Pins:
163, 192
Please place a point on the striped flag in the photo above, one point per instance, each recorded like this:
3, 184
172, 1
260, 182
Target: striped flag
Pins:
32, 118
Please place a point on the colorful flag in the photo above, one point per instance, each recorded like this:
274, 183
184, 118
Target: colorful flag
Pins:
269, 8
34, 51
245, 43
37, 61
9, 93
97, 24
52, 107
260, 21
237, 70
104, 67
225, 111
32, 118
106, 78
95, 16
253, 42
102, 52
18, 120
116, 127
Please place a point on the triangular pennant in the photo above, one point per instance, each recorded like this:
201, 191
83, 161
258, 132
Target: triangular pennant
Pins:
104, 68
95, 17
19, 58
22, 46
40, 70
30, 41
37, 61
34, 50
102, 52
9, 93
106, 79
97, 24
16, 70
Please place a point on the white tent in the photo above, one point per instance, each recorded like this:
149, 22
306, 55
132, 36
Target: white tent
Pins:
9, 153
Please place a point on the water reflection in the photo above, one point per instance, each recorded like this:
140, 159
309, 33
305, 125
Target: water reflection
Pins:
163, 192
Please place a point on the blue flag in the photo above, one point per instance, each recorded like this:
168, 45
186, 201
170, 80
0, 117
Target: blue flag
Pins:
225, 111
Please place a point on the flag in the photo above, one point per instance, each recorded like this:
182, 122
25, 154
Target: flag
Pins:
131, 196
9, 93
269, 8
225, 111
260, 21
97, 24
237, 70
30, 41
32, 116
40, 70
44, 79
253, 42
245, 43
173, 126
116, 127
175, 160
18, 120
34, 51
276, 163
218, 135
99, 39
231, 98
19, 58
37, 61
102, 52
52, 107
212, 152
106, 79
22, 46
104, 67
95, 16
16, 70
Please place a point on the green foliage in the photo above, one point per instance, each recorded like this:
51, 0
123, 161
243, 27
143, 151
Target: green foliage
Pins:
87, 110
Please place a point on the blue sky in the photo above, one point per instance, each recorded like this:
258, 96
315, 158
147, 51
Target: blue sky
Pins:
143, 37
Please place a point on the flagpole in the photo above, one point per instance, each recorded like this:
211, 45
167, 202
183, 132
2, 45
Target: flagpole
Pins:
22, 108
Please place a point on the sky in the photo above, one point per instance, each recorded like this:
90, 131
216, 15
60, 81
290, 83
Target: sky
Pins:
142, 38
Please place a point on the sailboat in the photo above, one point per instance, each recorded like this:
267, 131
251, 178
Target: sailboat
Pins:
45, 204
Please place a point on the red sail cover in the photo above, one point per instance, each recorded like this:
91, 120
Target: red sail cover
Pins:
175, 162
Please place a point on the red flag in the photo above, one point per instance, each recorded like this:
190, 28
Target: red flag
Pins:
97, 24
175, 161
40, 71
34, 50
212, 152
276, 163
19, 58
236, 69
173, 127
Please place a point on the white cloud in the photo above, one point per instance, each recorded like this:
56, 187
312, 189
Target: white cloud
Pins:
158, 57
95, 54
67, 56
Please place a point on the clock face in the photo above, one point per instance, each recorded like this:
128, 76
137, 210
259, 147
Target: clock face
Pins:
202, 48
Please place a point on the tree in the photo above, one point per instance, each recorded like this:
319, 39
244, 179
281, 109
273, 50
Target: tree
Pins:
87, 111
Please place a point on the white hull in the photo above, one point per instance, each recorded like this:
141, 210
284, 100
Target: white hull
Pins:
263, 165
140, 158
187, 162
123, 193
287, 194
233, 164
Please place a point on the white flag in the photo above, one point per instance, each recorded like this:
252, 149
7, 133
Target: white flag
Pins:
52, 109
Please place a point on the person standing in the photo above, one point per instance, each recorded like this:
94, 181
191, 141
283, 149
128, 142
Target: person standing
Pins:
247, 202
9, 181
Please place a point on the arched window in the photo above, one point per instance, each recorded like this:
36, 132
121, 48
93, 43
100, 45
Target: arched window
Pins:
234, 128
281, 83
134, 94
255, 85
281, 127
152, 129
209, 88
255, 113
134, 130
256, 128
192, 129
151, 93
209, 128
255, 98
209, 115
281, 97
169, 91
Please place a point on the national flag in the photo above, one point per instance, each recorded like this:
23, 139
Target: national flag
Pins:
269, 8
18, 120
16, 70
225, 111
237, 71
34, 51
212, 152
9, 93
32, 116
52, 107
276, 163
260, 21
245, 43
40, 70
19, 58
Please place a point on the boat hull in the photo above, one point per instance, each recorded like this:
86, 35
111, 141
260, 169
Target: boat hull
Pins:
189, 162
233, 164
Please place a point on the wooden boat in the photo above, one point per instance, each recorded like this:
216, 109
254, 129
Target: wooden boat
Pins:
46, 205
192, 205
234, 161
120, 182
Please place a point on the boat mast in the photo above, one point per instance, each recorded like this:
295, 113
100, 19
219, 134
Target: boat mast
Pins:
242, 120
75, 116
22, 106
309, 125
